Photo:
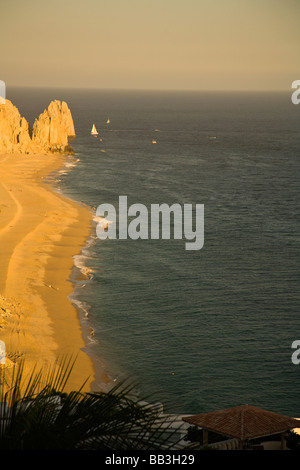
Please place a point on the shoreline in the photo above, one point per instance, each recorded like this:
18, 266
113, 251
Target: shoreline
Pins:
80, 276
41, 231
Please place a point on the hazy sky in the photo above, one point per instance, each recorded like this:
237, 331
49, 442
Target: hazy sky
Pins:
151, 44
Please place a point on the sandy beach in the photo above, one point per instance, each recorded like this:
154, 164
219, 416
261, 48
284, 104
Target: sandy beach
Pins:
40, 232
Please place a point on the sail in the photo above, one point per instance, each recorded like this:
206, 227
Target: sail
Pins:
94, 130
108, 121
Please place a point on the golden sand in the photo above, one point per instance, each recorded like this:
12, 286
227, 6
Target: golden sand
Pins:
40, 232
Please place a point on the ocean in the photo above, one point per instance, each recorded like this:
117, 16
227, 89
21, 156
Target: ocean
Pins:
195, 330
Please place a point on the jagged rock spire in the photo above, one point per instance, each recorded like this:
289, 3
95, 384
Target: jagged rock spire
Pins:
50, 131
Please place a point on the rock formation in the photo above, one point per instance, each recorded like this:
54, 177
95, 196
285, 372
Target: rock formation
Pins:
14, 130
50, 133
53, 127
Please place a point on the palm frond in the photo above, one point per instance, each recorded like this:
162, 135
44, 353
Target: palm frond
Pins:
37, 413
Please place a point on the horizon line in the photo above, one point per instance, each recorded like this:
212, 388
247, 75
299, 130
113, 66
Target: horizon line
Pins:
206, 90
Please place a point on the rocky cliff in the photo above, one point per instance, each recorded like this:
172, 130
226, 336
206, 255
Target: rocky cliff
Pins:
53, 127
50, 133
14, 130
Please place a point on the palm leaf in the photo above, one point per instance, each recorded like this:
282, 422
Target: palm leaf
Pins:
36, 413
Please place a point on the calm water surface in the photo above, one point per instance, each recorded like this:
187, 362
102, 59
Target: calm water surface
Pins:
201, 330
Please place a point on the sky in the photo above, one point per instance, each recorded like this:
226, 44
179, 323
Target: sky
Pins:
151, 44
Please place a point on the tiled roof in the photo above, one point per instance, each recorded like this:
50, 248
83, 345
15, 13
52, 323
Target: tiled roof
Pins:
243, 422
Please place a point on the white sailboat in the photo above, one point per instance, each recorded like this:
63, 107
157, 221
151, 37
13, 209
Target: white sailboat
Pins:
108, 121
94, 130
